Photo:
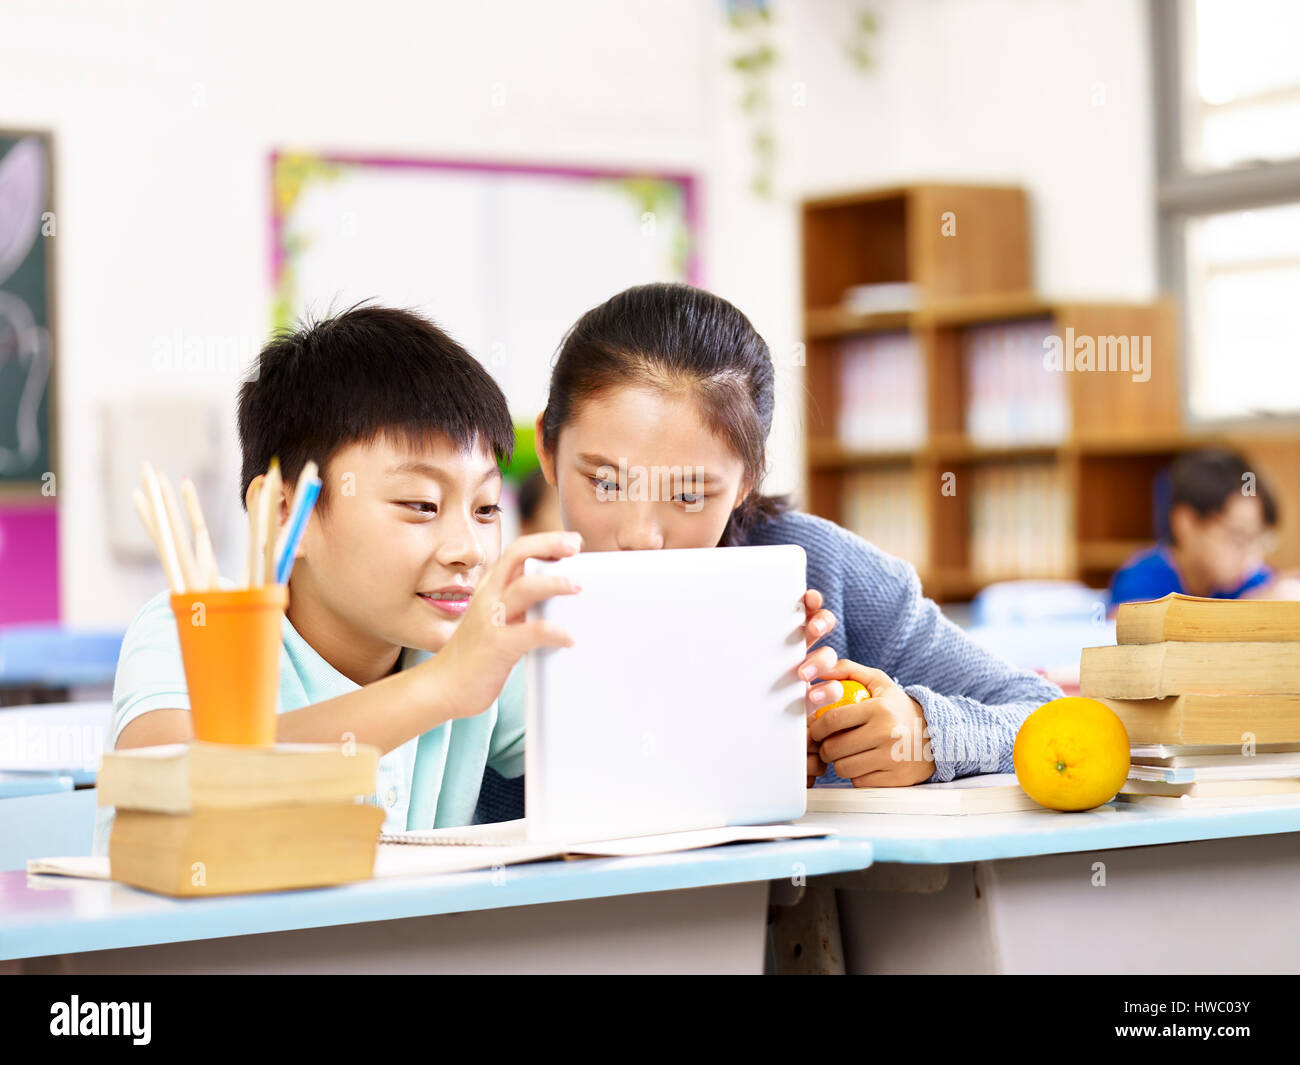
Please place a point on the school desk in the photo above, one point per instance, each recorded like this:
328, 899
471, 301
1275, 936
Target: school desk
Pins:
692, 911
56, 820
1122, 889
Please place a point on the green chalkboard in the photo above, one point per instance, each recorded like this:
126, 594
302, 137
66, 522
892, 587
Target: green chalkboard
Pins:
28, 228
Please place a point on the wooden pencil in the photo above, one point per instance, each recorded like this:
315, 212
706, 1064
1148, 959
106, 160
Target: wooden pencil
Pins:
167, 547
250, 556
272, 492
205, 557
146, 519
184, 552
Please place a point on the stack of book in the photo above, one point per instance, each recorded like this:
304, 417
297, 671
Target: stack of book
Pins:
1209, 690
216, 819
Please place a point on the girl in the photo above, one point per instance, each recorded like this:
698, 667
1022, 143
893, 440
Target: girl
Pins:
669, 387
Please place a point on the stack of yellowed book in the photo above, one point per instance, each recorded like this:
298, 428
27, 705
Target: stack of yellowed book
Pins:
216, 819
1209, 691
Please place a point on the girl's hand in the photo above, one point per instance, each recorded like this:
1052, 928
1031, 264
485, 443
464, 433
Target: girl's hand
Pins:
494, 633
816, 767
878, 742
817, 622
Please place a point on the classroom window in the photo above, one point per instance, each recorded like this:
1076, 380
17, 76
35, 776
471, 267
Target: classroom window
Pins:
1228, 151
1243, 286
1242, 84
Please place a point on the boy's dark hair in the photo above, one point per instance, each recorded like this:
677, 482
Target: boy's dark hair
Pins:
350, 378
1206, 480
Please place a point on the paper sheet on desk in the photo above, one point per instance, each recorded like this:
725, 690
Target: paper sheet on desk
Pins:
90, 866
506, 836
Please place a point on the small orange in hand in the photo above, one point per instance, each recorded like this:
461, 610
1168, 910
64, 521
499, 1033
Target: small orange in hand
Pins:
853, 693
1072, 754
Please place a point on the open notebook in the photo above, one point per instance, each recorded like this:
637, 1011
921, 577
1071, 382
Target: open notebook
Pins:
455, 850
513, 834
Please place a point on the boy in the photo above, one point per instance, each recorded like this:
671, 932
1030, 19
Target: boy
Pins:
1221, 519
399, 560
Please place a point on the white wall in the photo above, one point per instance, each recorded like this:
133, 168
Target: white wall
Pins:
164, 117
1053, 95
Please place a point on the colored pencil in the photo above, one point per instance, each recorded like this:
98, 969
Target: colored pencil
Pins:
304, 499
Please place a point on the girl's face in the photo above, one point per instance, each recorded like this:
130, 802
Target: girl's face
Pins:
635, 469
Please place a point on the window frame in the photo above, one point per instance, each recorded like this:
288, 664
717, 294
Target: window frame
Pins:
1184, 195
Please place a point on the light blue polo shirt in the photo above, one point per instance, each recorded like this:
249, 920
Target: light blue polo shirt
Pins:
431, 781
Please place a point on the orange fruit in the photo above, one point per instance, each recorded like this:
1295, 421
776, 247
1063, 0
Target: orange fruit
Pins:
1072, 754
853, 693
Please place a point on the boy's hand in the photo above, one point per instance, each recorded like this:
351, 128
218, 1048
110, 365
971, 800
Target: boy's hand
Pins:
861, 738
494, 633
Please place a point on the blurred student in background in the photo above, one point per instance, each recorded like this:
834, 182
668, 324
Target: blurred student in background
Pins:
1221, 527
539, 506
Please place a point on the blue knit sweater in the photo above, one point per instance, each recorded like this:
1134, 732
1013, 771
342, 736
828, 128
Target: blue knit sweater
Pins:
973, 701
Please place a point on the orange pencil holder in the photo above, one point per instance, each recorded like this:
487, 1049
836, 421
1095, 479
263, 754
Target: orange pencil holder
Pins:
230, 644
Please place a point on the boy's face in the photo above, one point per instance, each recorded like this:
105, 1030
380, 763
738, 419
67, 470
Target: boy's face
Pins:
1227, 546
406, 537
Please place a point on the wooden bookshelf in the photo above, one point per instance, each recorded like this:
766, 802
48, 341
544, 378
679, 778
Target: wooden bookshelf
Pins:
1116, 434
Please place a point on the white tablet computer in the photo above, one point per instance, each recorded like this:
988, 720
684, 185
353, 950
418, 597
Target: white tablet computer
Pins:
678, 706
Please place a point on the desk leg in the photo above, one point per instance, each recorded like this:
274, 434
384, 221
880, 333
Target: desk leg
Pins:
805, 930
718, 929
1211, 906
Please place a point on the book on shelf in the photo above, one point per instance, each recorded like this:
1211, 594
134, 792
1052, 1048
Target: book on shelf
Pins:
180, 777
1191, 619
882, 398
1020, 520
992, 793
1012, 397
886, 508
221, 851
1161, 670
881, 297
